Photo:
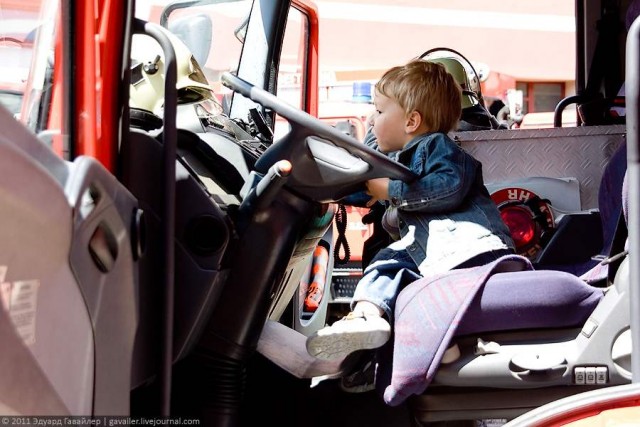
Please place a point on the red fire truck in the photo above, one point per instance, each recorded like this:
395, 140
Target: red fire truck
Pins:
168, 186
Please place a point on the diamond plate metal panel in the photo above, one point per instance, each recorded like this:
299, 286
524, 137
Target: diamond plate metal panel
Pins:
579, 152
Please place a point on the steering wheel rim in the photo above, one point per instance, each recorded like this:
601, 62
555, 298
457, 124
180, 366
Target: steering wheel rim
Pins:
305, 125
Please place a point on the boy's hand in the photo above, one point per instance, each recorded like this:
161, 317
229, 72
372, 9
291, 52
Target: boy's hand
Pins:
378, 189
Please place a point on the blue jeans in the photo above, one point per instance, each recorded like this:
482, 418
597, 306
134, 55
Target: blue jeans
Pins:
390, 271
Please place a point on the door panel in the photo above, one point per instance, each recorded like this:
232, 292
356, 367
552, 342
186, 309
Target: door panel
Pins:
101, 258
67, 280
39, 290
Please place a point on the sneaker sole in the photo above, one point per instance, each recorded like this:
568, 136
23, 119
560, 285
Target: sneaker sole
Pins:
338, 345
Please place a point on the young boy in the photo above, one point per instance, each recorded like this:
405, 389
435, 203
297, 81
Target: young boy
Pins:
443, 220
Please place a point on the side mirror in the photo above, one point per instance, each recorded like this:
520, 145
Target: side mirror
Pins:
196, 33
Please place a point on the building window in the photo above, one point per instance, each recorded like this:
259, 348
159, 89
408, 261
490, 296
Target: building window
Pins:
540, 97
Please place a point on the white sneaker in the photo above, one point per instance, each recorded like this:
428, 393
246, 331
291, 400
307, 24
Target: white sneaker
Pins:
351, 333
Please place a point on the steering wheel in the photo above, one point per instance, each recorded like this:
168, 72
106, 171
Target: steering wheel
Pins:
327, 164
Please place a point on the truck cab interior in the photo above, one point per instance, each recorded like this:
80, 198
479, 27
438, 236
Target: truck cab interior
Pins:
188, 202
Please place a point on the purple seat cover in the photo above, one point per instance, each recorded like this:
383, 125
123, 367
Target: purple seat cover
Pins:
503, 295
530, 299
506, 294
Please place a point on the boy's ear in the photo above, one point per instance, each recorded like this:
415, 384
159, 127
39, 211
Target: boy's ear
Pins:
413, 122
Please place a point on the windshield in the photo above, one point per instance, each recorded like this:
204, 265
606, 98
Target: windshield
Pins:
22, 24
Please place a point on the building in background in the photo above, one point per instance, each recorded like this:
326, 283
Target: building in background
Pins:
526, 45
523, 48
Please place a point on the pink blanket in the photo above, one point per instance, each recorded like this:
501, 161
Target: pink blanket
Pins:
427, 314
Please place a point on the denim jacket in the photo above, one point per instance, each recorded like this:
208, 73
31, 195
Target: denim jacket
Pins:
446, 216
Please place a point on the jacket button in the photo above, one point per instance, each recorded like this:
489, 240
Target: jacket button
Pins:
412, 248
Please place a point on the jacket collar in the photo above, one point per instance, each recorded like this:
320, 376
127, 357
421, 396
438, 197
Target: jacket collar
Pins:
416, 140
406, 151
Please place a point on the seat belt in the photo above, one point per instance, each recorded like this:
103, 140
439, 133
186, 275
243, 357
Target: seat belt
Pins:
617, 252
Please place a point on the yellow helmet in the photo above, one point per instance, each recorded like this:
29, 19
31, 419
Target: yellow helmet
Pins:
147, 75
459, 73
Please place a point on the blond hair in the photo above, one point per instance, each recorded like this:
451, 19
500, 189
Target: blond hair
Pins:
425, 87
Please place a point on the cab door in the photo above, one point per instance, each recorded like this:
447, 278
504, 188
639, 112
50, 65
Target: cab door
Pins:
68, 282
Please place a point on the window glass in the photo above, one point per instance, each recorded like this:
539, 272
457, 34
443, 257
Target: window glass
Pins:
547, 96
292, 73
24, 53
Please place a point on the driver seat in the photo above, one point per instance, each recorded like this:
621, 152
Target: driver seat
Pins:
539, 334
